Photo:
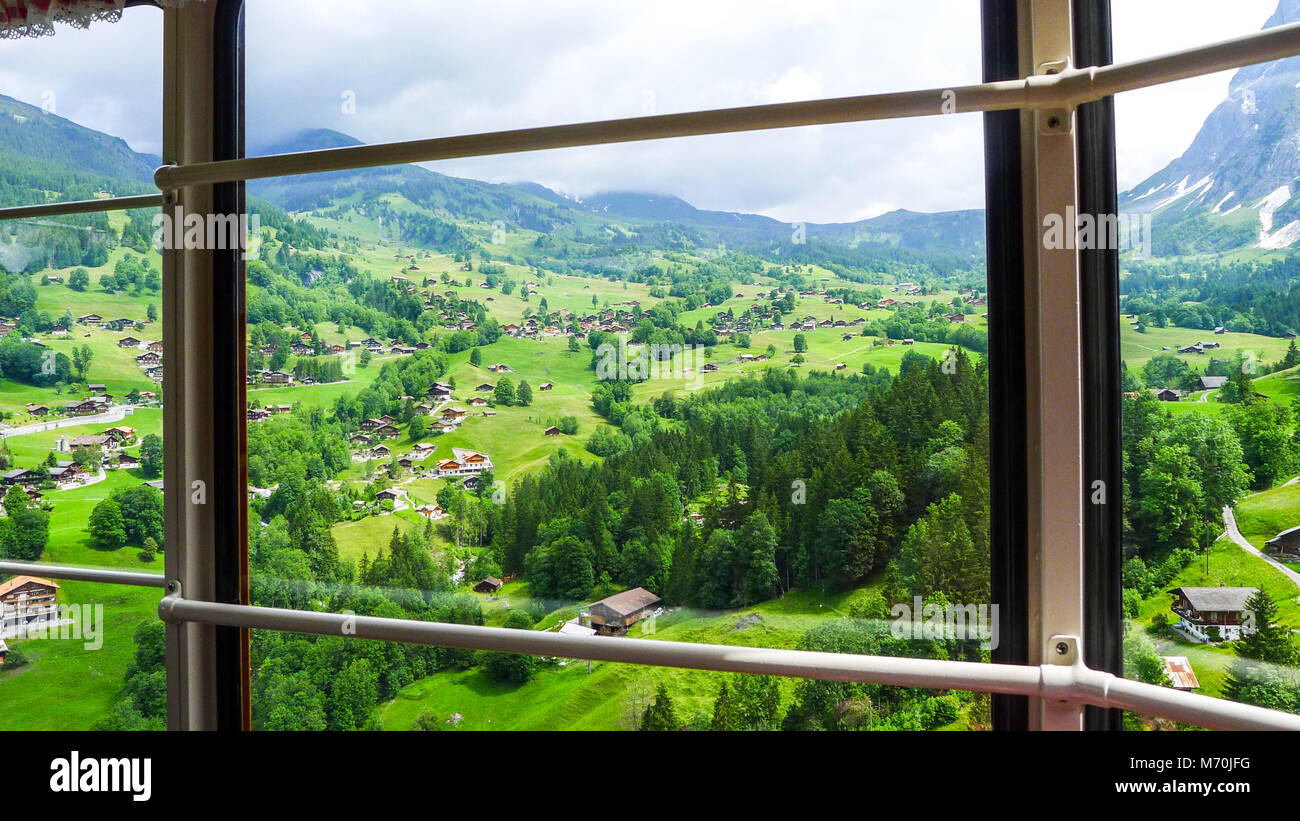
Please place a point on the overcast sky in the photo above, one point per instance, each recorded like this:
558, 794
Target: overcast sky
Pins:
421, 69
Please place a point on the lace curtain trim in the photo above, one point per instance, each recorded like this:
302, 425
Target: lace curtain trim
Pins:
36, 18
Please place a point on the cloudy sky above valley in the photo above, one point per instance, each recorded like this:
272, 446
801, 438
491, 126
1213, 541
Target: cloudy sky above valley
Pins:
421, 69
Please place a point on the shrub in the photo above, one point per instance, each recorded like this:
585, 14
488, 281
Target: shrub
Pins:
15, 658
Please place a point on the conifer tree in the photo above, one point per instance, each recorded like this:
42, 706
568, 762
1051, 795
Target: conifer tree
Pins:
660, 715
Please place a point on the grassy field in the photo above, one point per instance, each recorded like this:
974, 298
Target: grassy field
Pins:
322, 394
1264, 514
826, 349
1233, 567
1137, 348
513, 438
67, 687
110, 365
368, 535
1281, 386
28, 449
570, 697
385, 258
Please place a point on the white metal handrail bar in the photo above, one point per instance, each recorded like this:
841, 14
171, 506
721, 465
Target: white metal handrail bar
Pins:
84, 574
1076, 683
56, 209
1065, 88
1071, 683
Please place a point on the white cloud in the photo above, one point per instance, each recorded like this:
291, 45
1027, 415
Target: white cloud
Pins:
1156, 125
422, 69
108, 77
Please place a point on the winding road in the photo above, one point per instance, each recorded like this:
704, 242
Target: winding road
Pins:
1230, 526
116, 414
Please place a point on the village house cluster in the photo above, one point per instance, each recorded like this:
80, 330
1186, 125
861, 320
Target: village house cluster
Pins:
107, 447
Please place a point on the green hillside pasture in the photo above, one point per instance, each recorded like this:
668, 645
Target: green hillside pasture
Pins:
1234, 567
1137, 348
512, 439
1281, 386
113, 366
1231, 566
54, 299
826, 349
367, 535
1264, 514
570, 698
329, 333
818, 307
321, 394
29, 449
385, 259
66, 687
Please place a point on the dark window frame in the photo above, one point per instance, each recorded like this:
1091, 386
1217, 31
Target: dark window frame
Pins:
1103, 530
228, 328
1008, 420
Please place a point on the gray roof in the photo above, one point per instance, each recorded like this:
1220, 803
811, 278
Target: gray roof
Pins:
630, 601
1282, 533
1213, 381
1218, 599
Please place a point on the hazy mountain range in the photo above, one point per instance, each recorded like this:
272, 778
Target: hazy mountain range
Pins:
1237, 186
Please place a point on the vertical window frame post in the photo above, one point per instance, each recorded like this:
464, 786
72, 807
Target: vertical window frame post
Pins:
1054, 392
188, 384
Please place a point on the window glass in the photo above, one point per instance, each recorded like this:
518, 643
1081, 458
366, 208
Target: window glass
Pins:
81, 395
1209, 320
80, 390
727, 389
80, 655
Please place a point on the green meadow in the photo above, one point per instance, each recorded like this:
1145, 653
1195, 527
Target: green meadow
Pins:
1228, 565
66, 686
1137, 348
570, 694
1281, 386
31, 448
1262, 515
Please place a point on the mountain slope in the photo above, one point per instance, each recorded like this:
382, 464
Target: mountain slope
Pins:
1236, 185
41, 153
535, 207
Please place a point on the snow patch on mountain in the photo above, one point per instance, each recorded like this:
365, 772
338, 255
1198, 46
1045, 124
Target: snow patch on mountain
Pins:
1183, 189
1218, 205
1283, 237
1268, 205
1151, 191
